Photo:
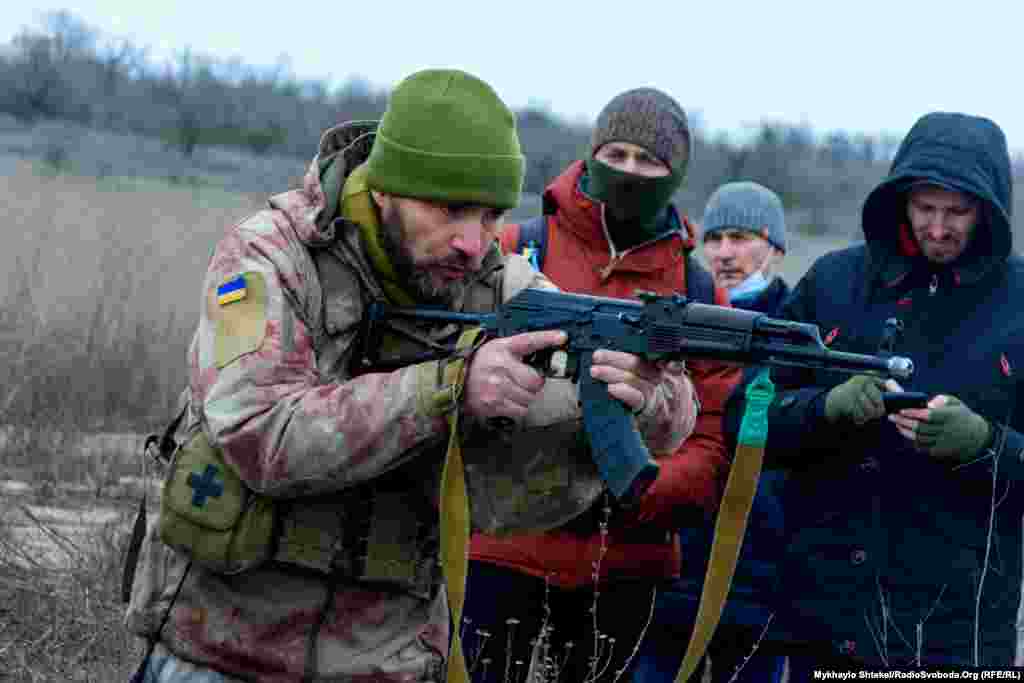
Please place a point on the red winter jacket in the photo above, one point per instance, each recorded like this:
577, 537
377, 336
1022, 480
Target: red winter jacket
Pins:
580, 259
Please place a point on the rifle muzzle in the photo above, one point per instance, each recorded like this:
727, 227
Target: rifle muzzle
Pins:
900, 367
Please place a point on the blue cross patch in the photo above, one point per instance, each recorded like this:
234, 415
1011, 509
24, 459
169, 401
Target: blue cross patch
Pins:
205, 485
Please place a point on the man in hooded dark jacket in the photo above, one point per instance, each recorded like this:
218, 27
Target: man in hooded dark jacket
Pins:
907, 538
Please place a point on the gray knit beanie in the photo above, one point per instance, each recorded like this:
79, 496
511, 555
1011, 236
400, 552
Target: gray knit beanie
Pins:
649, 118
746, 206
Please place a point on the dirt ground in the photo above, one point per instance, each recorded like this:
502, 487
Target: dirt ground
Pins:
60, 569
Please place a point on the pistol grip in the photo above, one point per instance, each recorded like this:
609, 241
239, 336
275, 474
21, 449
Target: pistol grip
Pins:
618, 449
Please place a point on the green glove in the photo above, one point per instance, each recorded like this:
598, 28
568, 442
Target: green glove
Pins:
953, 431
858, 399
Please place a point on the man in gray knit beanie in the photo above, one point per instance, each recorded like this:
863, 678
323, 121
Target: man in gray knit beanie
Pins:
744, 236
744, 230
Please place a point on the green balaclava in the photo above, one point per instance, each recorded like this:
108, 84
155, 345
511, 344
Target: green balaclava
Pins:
447, 136
635, 204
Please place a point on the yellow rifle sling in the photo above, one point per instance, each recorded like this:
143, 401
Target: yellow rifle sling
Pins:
731, 524
455, 513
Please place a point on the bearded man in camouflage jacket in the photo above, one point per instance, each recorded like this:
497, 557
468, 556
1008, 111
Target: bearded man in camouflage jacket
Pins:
299, 529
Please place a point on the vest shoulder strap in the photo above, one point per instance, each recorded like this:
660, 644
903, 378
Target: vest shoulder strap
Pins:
533, 241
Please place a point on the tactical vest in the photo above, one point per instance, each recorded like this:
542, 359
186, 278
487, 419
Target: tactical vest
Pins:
529, 478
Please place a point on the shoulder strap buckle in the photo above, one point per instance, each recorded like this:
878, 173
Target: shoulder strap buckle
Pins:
533, 241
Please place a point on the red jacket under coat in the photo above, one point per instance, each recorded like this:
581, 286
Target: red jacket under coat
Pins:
580, 259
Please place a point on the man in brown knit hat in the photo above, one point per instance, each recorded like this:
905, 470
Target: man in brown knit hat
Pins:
609, 229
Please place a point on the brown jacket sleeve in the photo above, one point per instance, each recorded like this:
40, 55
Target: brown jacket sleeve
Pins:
286, 427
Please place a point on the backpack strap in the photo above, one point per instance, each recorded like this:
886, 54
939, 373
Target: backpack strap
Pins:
533, 241
166, 445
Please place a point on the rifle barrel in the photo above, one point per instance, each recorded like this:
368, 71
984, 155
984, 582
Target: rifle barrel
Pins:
896, 367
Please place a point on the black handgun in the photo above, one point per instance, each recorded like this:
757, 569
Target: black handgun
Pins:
899, 400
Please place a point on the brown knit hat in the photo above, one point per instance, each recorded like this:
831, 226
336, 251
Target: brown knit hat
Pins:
649, 118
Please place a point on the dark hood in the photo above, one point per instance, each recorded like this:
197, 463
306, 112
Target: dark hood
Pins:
958, 152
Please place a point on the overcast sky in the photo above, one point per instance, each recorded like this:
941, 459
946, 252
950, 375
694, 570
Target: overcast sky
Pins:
867, 65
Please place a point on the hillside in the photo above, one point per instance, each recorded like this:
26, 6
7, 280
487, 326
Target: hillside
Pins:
82, 97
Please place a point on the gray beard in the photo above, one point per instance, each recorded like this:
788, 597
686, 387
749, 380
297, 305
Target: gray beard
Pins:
416, 281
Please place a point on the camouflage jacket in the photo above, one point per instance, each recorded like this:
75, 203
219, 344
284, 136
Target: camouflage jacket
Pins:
281, 402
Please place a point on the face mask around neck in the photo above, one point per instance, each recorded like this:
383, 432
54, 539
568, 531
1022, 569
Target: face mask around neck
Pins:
634, 202
754, 284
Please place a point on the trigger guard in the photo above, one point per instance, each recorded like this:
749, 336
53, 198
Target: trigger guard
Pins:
552, 363
558, 364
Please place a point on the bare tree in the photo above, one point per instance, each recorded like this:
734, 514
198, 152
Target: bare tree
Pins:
65, 69
33, 82
839, 149
72, 38
868, 147
183, 88
119, 60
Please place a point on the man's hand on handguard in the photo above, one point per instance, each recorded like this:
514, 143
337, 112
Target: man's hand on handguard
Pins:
857, 400
660, 395
631, 379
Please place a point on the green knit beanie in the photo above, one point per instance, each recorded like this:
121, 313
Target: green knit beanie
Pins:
446, 135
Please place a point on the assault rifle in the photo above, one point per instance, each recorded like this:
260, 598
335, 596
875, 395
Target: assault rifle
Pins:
656, 328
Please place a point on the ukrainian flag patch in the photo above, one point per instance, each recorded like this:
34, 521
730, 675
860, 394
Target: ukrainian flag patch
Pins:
232, 290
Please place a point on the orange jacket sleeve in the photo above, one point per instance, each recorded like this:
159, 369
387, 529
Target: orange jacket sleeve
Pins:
694, 476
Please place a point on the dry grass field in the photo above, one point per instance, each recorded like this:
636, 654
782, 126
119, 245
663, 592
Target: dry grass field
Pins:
102, 279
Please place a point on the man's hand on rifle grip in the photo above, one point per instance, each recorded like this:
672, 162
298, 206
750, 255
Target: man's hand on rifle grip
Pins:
499, 383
